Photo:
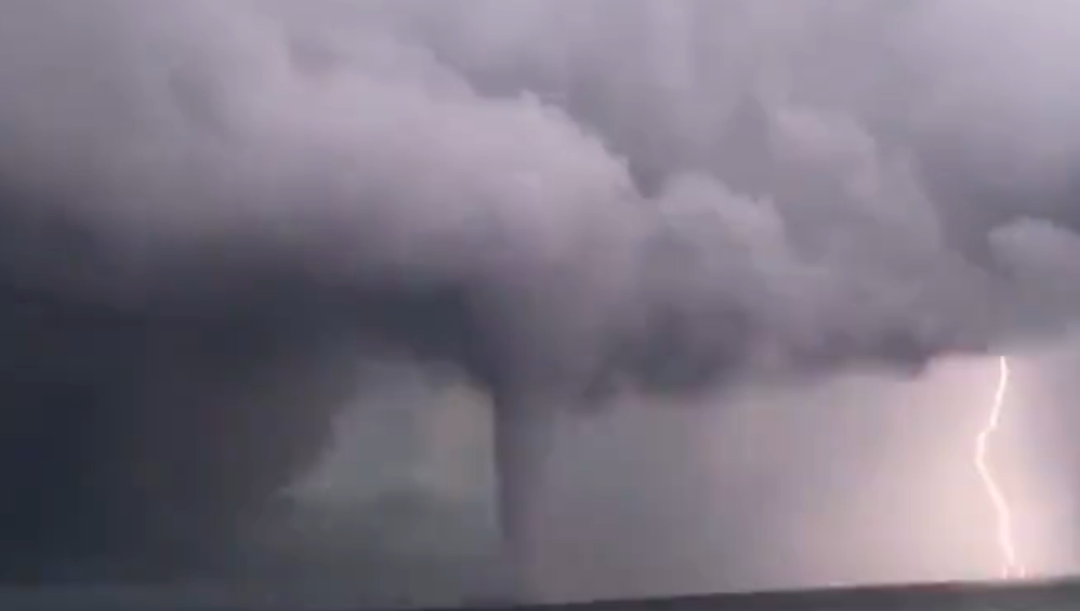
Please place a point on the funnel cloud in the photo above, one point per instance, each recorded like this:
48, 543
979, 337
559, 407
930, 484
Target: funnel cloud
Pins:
211, 211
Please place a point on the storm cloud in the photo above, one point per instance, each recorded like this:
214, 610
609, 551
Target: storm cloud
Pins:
212, 210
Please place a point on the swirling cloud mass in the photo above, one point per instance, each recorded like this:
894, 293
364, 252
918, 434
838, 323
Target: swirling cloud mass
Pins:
209, 206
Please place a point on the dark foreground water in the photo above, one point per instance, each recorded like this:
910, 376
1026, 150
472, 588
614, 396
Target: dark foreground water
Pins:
1060, 595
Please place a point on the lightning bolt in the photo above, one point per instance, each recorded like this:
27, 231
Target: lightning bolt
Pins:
1011, 566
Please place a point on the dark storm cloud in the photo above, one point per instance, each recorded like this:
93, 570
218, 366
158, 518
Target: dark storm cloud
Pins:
207, 205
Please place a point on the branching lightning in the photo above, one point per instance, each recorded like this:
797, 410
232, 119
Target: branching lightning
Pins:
1011, 565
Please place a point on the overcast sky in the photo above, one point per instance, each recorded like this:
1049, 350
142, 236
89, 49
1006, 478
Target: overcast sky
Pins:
822, 217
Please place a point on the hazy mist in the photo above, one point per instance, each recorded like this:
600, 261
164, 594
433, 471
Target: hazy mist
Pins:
768, 238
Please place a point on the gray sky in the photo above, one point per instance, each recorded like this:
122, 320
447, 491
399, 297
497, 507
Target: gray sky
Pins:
622, 196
